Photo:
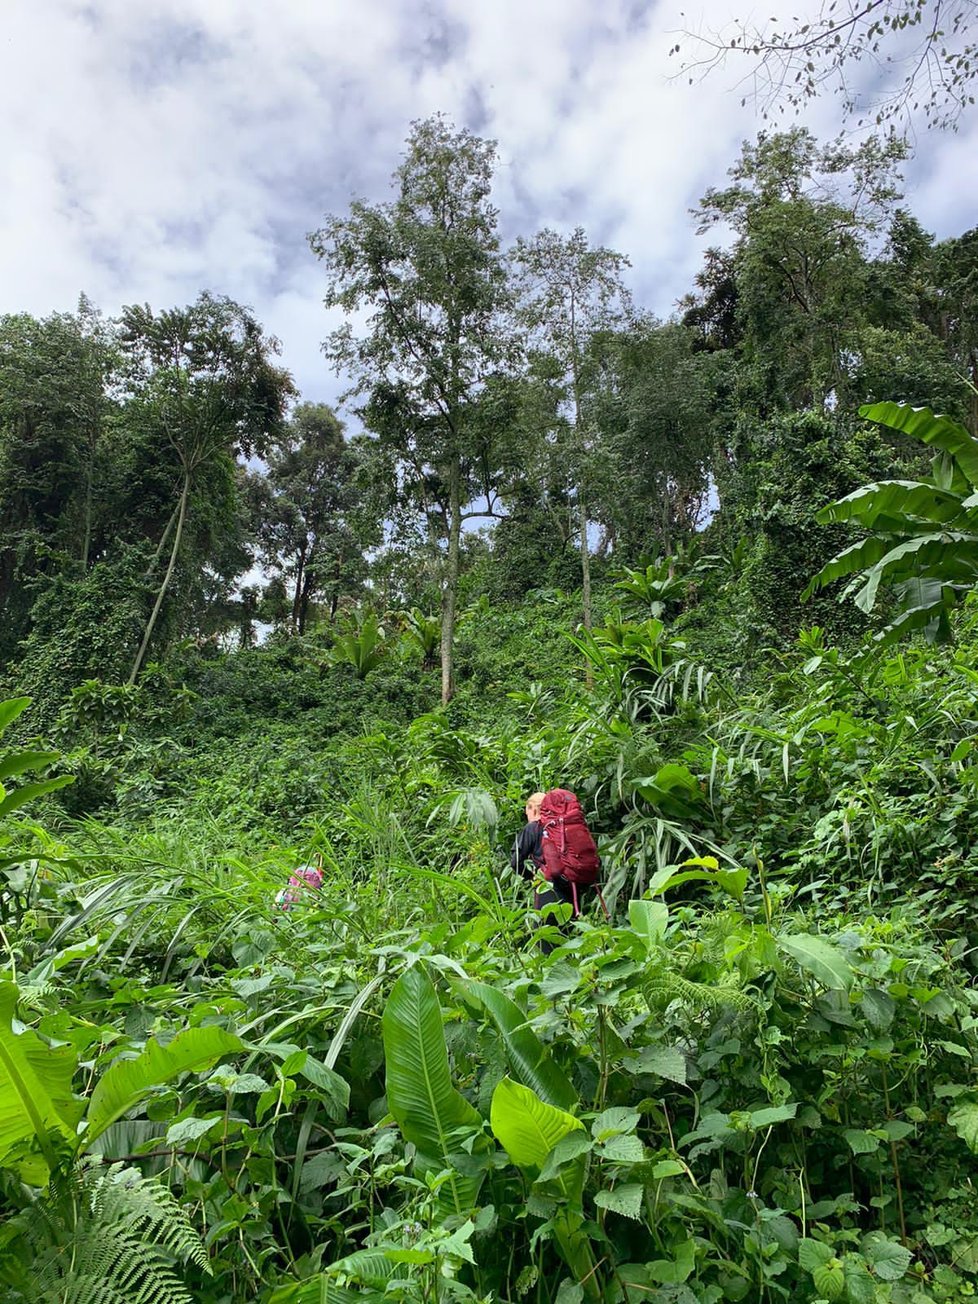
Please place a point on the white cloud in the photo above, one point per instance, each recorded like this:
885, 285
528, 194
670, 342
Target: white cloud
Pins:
157, 148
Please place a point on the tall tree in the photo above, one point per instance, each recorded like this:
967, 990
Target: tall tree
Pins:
52, 405
427, 269
313, 527
806, 218
205, 385
567, 292
655, 404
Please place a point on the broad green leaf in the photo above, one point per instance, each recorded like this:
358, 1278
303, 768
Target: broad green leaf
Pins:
822, 959
829, 1279
947, 558
813, 1254
18, 762
11, 709
861, 1142
674, 1271
567, 1149
667, 1168
888, 1259
335, 1088
35, 1092
614, 1121
929, 616
322, 1289
626, 1200
666, 1061
124, 1084
431, 1113
191, 1129
373, 1267
860, 1286
879, 1008
964, 1119
893, 498
569, 1292
527, 1127
772, 1114
649, 919
28, 791
623, 1150
937, 431
857, 557
528, 1060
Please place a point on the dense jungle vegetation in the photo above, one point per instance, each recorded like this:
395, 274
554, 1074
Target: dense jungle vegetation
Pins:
569, 544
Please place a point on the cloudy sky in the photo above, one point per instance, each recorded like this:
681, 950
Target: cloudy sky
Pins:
155, 148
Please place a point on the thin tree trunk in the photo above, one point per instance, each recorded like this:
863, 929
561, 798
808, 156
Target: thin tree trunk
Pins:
162, 543
151, 623
450, 584
87, 537
585, 559
297, 598
303, 615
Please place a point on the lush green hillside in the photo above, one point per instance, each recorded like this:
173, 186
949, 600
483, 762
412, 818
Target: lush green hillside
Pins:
568, 547
756, 1082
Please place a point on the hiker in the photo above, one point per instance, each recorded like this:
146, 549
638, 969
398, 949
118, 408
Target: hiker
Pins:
556, 844
303, 881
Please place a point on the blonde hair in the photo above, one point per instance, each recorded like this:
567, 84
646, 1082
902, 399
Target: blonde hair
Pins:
534, 800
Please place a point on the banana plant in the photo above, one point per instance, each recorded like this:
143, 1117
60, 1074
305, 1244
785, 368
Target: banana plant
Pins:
363, 645
923, 534
430, 1111
422, 634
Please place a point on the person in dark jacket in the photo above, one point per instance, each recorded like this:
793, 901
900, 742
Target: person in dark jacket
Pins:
527, 858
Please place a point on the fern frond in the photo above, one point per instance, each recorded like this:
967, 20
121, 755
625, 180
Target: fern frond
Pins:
106, 1236
662, 988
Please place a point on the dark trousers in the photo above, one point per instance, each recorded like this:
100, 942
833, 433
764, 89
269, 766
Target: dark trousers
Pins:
559, 892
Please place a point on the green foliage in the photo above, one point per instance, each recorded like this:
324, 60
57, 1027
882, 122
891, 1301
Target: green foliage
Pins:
101, 1236
362, 646
922, 539
430, 1112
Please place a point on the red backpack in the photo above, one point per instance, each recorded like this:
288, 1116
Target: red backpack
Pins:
568, 848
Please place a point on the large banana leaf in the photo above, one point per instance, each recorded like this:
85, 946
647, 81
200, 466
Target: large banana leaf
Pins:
527, 1058
893, 499
126, 1082
35, 1095
867, 552
9, 801
431, 1113
924, 544
925, 425
951, 558
18, 762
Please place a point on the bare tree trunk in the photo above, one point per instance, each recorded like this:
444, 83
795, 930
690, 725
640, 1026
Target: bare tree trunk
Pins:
87, 536
151, 623
585, 558
297, 598
450, 582
303, 600
163, 538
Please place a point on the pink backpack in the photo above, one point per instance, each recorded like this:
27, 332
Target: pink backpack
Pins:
569, 851
304, 880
